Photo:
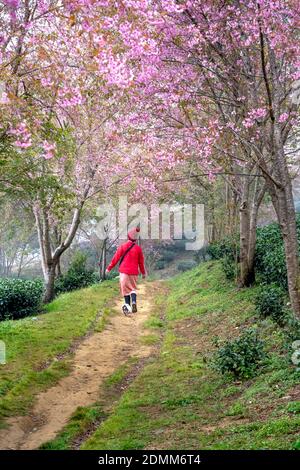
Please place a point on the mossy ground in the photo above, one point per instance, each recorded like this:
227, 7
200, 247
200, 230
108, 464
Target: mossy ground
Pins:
39, 348
175, 400
179, 402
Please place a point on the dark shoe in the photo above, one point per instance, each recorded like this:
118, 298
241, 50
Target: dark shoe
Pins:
134, 308
125, 309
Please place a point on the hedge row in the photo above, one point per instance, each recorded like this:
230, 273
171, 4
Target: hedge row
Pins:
20, 298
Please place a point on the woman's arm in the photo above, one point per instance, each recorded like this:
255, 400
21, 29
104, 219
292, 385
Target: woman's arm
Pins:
142, 263
117, 256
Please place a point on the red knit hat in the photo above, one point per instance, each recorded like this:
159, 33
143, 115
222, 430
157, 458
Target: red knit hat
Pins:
133, 234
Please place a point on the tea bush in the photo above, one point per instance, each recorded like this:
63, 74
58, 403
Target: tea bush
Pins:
228, 246
240, 357
269, 256
20, 298
270, 302
77, 276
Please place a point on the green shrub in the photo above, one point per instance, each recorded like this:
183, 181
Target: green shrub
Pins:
77, 276
240, 357
108, 277
202, 255
160, 264
294, 407
270, 303
227, 251
296, 445
229, 267
20, 298
175, 246
185, 265
167, 256
269, 255
292, 331
228, 246
95, 277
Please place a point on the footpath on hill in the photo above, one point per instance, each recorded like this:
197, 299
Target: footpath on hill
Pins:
95, 359
150, 381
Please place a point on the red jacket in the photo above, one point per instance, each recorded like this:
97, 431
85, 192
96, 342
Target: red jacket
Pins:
133, 261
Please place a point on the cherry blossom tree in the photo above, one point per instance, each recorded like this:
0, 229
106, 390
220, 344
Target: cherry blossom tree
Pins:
205, 87
61, 120
232, 67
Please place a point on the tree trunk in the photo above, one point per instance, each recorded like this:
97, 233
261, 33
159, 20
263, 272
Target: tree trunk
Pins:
247, 275
49, 284
291, 254
287, 220
58, 268
282, 193
21, 262
283, 202
252, 241
250, 204
285, 208
51, 259
1, 261
257, 198
103, 261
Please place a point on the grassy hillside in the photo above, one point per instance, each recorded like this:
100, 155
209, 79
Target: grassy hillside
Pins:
179, 402
35, 343
174, 399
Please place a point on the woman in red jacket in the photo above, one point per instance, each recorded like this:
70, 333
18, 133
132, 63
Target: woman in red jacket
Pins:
131, 260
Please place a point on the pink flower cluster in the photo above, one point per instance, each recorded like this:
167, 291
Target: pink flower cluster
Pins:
253, 116
70, 96
49, 149
12, 6
283, 117
23, 136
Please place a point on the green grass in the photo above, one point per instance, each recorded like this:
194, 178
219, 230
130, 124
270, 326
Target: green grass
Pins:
34, 344
175, 400
119, 374
149, 340
86, 418
179, 402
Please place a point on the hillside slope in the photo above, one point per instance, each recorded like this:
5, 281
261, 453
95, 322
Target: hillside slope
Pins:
39, 348
169, 398
179, 402
59, 376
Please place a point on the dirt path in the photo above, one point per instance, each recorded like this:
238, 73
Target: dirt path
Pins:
96, 358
